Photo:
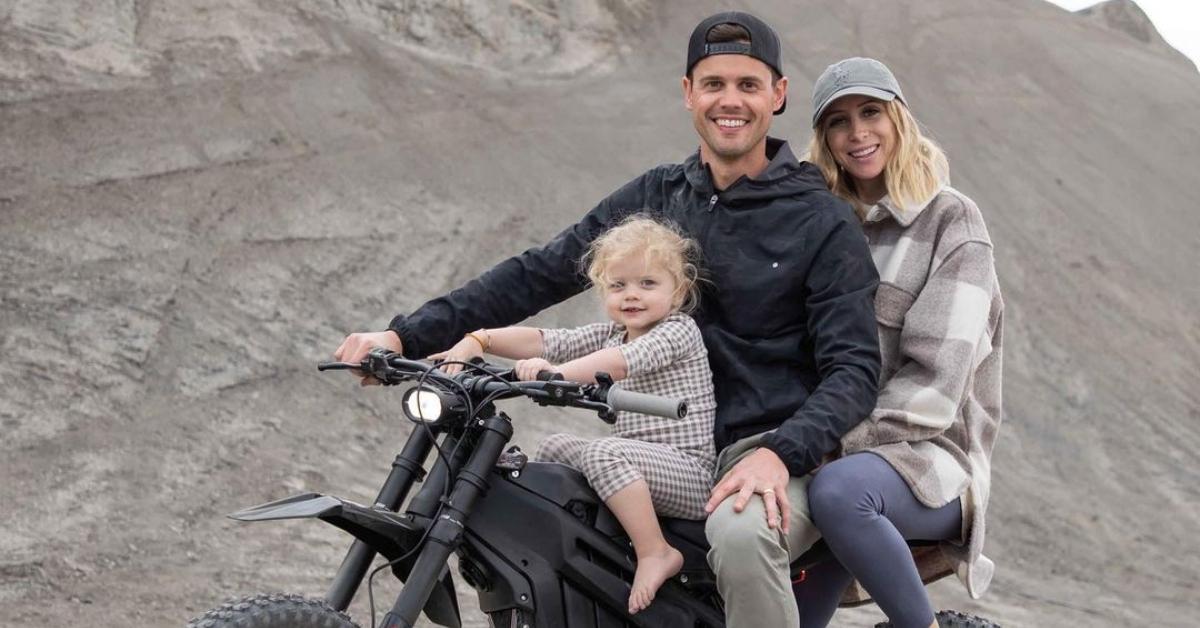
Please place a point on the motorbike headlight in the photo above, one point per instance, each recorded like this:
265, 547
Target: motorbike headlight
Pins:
423, 404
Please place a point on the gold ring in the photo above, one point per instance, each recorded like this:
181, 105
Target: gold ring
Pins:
767, 490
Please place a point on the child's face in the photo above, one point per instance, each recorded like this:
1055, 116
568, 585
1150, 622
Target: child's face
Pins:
638, 295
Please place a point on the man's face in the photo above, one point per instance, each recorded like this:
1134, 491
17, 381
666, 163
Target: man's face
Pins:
732, 101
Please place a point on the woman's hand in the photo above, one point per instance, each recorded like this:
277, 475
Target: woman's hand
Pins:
528, 369
463, 351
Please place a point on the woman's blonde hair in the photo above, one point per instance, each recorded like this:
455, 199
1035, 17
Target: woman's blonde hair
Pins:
658, 244
913, 173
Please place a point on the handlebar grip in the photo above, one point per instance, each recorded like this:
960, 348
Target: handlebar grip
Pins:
548, 376
628, 401
336, 366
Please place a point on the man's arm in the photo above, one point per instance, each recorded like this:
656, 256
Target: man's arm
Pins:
518, 287
508, 293
841, 323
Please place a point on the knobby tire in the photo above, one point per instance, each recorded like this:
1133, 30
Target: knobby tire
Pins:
274, 610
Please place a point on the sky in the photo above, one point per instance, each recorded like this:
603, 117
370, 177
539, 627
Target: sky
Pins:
1178, 21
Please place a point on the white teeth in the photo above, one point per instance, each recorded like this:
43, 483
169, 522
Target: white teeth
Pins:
863, 152
725, 122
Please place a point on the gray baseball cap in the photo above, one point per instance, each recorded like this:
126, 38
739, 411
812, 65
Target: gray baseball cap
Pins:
858, 76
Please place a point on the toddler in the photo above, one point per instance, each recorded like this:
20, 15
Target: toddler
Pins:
645, 275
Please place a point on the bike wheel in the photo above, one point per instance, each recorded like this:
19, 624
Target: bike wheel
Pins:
273, 610
954, 619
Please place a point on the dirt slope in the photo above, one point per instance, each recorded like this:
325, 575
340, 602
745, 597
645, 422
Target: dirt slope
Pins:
198, 198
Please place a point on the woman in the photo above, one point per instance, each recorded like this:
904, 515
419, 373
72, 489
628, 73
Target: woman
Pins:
919, 467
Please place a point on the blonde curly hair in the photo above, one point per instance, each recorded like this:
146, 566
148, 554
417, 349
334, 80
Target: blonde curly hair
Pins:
658, 244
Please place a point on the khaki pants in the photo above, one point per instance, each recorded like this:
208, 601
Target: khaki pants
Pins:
751, 560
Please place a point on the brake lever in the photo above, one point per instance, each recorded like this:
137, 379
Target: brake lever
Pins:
607, 415
376, 363
337, 366
604, 381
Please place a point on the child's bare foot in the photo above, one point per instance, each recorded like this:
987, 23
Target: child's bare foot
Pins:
652, 571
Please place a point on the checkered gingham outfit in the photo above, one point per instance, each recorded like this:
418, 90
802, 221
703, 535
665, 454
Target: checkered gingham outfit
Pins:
675, 457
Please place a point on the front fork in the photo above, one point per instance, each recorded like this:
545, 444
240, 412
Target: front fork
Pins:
446, 533
406, 469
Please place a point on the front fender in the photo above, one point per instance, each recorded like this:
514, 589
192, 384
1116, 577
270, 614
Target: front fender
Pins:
387, 532
391, 534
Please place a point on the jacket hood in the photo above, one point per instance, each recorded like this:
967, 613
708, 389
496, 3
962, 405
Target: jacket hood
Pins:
784, 176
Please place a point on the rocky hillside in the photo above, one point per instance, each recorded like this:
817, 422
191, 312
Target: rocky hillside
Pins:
1127, 17
199, 198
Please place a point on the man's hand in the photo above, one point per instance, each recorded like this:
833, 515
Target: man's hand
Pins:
761, 472
356, 347
527, 370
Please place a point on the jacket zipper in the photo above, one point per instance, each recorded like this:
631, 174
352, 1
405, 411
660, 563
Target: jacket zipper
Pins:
712, 202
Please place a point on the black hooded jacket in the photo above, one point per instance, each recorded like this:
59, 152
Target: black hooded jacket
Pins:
787, 313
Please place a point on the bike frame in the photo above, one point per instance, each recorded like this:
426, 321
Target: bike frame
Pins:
406, 469
435, 523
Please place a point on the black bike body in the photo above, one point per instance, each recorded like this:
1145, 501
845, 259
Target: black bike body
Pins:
542, 550
533, 539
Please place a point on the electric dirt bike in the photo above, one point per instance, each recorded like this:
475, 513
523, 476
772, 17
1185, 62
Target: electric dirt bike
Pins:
533, 539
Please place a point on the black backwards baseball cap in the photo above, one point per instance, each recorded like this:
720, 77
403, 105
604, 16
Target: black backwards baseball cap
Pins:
764, 43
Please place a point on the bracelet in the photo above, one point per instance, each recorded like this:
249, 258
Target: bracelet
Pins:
474, 336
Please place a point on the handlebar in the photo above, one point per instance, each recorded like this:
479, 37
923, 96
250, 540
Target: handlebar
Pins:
485, 380
629, 401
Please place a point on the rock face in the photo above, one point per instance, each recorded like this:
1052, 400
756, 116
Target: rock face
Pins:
199, 198
101, 45
1127, 17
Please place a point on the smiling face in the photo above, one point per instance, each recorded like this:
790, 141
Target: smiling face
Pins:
732, 100
862, 138
638, 294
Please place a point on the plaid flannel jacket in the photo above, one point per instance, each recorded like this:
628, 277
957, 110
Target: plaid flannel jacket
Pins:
940, 317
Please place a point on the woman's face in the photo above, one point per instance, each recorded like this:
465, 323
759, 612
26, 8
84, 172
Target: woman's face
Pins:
862, 138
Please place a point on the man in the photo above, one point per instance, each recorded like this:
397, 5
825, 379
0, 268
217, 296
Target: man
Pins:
788, 318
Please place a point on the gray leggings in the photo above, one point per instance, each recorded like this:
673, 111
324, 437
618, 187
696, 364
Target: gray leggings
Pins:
866, 513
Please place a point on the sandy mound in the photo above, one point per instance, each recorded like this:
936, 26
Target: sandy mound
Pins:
198, 199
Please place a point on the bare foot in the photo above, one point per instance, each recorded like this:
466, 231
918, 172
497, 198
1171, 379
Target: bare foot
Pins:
652, 571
